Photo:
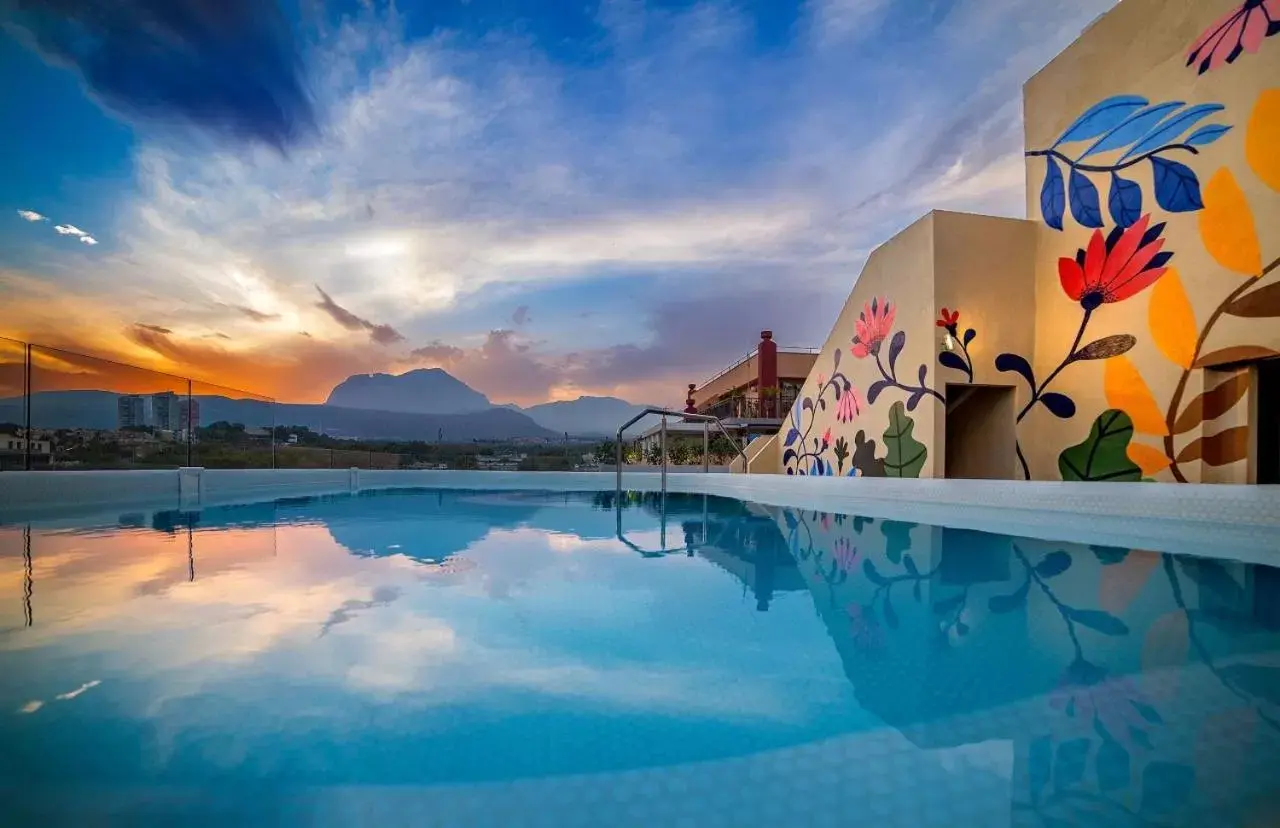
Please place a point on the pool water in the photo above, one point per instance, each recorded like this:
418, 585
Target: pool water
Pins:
506, 659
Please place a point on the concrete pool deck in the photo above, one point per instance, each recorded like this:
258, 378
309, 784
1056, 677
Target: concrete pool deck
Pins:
1223, 521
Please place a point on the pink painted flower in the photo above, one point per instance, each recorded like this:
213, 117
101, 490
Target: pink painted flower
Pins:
826, 521
873, 325
849, 405
1241, 30
822, 382
865, 629
845, 553
826, 438
1089, 696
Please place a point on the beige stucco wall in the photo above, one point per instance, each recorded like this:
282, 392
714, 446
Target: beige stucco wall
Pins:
1141, 49
901, 271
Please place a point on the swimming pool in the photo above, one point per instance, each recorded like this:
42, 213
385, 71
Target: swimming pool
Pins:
529, 658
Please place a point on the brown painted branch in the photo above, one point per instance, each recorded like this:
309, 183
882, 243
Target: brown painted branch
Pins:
1175, 403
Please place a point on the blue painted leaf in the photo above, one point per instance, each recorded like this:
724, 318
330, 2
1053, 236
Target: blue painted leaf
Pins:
1177, 188
835, 361
969, 335
951, 359
924, 371
1125, 201
1103, 622
1168, 130
1102, 117
830, 470
1053, 195
873, 575
1059, 405
1018, 364
1131, 130
1039, 762
874, 390
896, 345
788, 455
890, 615
1009, 603
1166, 787
1109, 555
792, 436
914, 400
1207, 134
1084, 201
1055, 563
1147, 712
1068, 765
910, 564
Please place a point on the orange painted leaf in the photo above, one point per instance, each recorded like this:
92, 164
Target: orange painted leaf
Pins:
1227, 226
1262, 138
1213, 403
1238, 353
1128, 391
1172, 320
1263, 303
1150, 460
1221, 449
1118, 585
1165, 645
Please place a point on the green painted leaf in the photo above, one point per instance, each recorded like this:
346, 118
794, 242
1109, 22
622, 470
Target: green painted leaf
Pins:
1104, 454
897, 535
906, 455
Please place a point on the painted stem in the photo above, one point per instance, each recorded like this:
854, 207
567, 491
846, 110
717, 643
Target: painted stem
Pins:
1175, 403
813, 419
1036, 393
893, 381
1105, 168
1061, 607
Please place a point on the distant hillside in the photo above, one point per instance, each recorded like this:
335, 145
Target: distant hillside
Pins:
97, 410
423, 391
585, 416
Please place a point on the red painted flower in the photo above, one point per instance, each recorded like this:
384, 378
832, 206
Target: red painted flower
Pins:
948, 319
826, 438
1116, 267
849, 405
874, 325
864, 628
1241, 30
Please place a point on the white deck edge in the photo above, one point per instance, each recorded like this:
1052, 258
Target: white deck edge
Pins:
1224, 521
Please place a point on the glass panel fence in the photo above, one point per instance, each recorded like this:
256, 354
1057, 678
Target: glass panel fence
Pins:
231, 429
13, 404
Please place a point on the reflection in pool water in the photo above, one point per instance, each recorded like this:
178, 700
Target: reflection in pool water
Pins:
467, 658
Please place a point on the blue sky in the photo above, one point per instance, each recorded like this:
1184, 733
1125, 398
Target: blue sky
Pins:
545, 198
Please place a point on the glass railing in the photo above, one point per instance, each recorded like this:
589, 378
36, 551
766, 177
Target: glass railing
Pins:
65, 410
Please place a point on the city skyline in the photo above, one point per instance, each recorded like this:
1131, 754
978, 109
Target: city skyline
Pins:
609, 200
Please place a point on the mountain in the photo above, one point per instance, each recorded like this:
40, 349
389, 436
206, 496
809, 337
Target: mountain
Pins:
586, 416
421, 391
98, 410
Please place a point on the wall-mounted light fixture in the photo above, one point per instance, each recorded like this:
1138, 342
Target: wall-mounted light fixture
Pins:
948, 341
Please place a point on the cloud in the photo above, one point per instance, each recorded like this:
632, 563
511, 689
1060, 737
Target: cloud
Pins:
256, 315
520, 316
153, 328
69, 230
226, 66
31, 215
381, 334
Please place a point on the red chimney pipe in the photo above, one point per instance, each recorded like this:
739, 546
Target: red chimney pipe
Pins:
767, 374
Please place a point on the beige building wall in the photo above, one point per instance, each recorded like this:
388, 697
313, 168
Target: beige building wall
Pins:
852, 417
1217, 302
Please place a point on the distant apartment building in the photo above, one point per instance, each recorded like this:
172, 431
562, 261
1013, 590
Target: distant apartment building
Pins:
165, 411
13, 452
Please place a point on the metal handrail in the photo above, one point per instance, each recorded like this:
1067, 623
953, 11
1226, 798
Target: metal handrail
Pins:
782, 349
705, 419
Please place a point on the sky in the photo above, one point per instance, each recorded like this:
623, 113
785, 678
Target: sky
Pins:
547, 199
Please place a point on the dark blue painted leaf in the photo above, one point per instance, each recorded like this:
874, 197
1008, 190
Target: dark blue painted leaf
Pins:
1059, 405
1125, 201
1039, 761
890, 616
835, 361
1133, 129
1053, 195
1177, 188
1018, 364
1165, 787
874, 390
969, 335
1108, 555
910, 564
951, 359
788, 455
792, 436
818, 465
807, 403
1102, 117
1055, 563
1009, 603
1207, 134
924, 372
1147, 712
1084, 201
1113, 766
1168, 130
896, 345
1139, 737
1103, 622
915, 592
873, 575
1068, 765
914, 400
1213, 578
962, 628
